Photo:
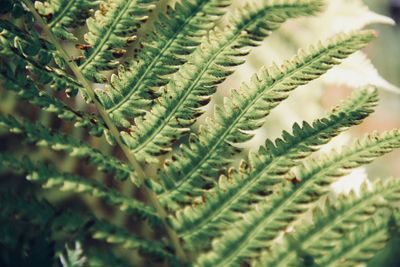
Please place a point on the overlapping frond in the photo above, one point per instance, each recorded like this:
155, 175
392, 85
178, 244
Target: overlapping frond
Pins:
332, 223
27, 90
41, 136
199, 163
63, 15
110, 31
191, 87
51, 178
248, 237
206, 211
40, 213
176, 35
255, 180
35, 57
360, 246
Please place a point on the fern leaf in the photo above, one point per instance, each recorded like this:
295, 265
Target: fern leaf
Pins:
40, 135
40, 213
258, 227
35, 55
176, 35
331, 224
27, 90
63, 15
251, 184
51, 178
73, 257
201, 160
111, 29
210, 64
361, 246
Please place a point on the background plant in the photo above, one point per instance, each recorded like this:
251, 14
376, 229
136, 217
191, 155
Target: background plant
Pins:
172, 192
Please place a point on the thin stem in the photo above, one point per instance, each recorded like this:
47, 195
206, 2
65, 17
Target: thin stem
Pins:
150, 196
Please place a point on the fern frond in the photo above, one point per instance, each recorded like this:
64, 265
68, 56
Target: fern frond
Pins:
111, 30
332, 223
27, 90
360, 246
73, 257
35, 55
254, 181
200, 161
261, 225
51, 178
176, 35
62, 15
40, 135
41, 213
209, 65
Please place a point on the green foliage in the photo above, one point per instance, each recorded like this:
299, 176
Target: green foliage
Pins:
110, 31
254, 180
63, 15
176, 35
249, 105
209, 66
194, 206
40, 135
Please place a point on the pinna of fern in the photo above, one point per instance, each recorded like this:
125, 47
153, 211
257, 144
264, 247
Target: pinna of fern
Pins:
203, 218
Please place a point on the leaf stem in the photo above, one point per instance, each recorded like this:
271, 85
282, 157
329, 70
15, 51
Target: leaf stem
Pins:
141, 175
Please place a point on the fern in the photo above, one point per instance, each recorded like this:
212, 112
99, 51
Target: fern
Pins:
51, 178
331, 223
41, 136
253, 181
177, 35
237, 116
63, 15
111, 30
188, 201
209, 66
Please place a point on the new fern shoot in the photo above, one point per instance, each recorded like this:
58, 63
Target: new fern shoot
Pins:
99, 102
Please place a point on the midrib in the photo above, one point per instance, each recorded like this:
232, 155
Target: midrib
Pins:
155, 60
106, 37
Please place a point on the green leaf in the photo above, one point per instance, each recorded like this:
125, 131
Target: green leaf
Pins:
35, 55
27, 90
177, 33
332, 223
51, 178
41, 136
191, 87
360, 246
247, 238
112, 28
255, 180
64, 15
197, 163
